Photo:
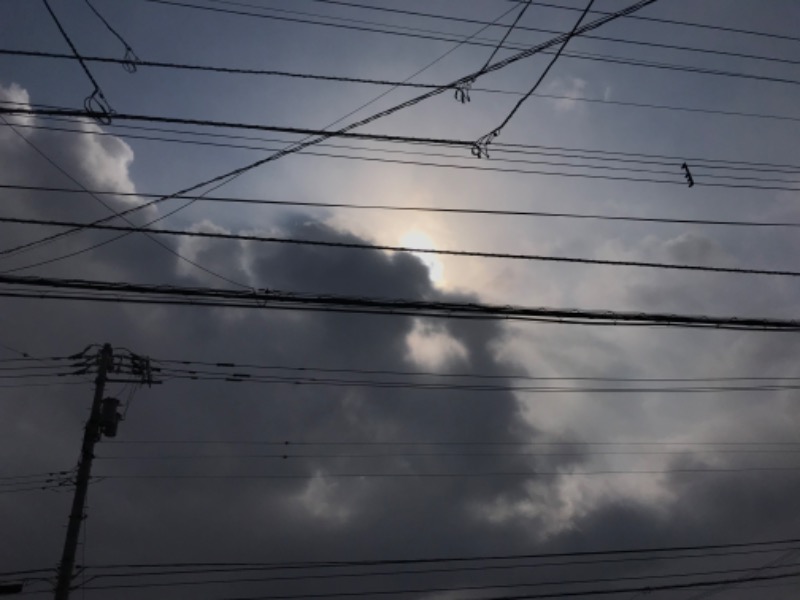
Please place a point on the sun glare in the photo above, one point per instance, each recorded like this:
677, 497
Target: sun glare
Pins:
417, 239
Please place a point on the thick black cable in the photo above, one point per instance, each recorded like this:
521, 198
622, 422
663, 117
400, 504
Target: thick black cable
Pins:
431, 590
440, 36
382, 82
297, 381
481, 147
233, 568
432, 209
452, 18
406, 140
663, 20
463, 443
118, 292
221, 179
601, 156
461, 375
462, 91
449, 475
40, 242
130, 60
390, 248
288, 456
97, 98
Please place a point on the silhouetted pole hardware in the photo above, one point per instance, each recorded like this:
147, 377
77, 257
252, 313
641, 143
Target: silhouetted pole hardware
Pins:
103, 420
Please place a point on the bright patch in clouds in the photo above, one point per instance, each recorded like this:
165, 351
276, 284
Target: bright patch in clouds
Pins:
420, 240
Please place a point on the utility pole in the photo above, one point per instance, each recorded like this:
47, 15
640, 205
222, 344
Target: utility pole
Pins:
91, 435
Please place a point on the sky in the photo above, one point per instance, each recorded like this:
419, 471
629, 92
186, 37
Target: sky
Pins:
405, 437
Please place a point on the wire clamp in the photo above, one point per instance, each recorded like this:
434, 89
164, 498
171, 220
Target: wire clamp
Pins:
480, 148
462, 90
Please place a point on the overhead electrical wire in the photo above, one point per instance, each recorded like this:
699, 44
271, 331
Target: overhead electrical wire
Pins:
663, 20
123, 292
455, 19
390, 248
461, 375
601, 156
423, 209
96, 104
393, 83
288, 456
38, 243
130, 59
481, 147
462, 91
434, 590
240, 568
221, 180
451, 475
770, 184
442, 36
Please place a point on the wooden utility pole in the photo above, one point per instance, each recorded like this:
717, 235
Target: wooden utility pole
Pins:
91, 435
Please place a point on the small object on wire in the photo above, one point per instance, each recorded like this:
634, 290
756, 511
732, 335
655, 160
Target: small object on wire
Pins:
131, 60
95, 104
98, 107
480, 149
688, 174
462, 90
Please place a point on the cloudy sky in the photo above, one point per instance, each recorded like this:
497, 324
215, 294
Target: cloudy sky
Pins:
403, 438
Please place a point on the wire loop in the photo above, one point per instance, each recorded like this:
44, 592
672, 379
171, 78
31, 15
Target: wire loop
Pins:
462, 91
130, 60
480, 149
98, 107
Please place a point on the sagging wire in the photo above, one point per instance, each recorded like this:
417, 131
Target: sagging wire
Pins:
463, 88
130, 59
480, 149
96, 103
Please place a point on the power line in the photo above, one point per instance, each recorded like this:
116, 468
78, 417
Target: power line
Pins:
96, 103
228, 177
427, 209
602, 156
441, 36
464, 375
239, 377
452, 18
481, 147
383, 82
390, 248
220, 180
410, 140
663, 20
123, 292
130, 59
462, 91
432, 590
234, 568
406, 454
45, 241
449, 475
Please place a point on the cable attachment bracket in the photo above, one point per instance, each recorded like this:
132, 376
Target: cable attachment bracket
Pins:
462, 90
480, 148
98, 107
130, 60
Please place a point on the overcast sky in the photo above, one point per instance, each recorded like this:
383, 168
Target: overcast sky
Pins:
384, 472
